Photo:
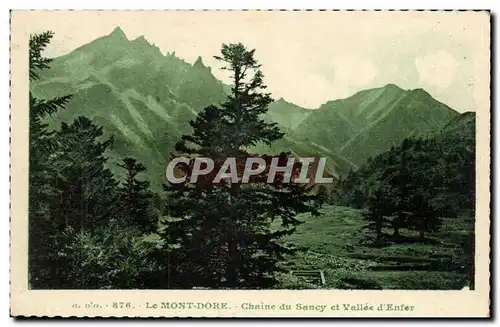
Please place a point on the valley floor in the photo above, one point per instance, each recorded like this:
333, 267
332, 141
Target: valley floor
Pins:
336, 244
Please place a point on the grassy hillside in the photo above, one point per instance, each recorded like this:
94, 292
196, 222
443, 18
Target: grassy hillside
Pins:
336, 243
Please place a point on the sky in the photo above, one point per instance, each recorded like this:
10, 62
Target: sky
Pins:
312, 57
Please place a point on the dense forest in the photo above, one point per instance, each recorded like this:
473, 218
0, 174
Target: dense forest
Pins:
93, 227
87, 229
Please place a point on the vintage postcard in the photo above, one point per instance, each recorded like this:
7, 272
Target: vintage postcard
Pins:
250, 163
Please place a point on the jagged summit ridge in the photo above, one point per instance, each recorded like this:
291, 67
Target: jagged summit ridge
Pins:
141, 39
199, 62
118, 33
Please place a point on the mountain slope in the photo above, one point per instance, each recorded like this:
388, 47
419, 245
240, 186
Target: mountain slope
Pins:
464, 124
287, 114
141, 97
371, 121
414, 114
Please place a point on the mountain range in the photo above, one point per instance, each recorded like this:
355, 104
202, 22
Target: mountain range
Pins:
145, 99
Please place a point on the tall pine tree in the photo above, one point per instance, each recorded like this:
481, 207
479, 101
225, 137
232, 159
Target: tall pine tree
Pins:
42, 191
224, 230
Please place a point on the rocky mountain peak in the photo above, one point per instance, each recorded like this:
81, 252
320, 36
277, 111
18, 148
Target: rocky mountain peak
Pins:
118, 33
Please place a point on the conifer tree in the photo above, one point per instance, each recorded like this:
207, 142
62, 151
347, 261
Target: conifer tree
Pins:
423, 216
88, 194
379, 207
42, 146
83, 202
136, 199
224, 230
77, 235
396, 173
322, 196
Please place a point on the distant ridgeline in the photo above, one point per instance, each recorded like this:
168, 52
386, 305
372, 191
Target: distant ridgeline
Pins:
145, 99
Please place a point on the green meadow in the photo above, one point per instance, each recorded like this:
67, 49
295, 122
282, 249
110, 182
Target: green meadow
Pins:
335, 242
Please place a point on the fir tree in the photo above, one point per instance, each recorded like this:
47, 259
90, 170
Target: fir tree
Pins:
136, 199
77, 235
422, 214
423, 217
86, 198
42, 190
322, 196
224, 230
87, 189
380, 207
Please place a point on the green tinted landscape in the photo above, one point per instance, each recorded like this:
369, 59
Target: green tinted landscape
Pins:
399, 214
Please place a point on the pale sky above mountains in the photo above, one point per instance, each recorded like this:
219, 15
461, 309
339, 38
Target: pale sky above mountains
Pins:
309, 58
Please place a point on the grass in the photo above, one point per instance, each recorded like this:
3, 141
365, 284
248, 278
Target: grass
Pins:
336, 243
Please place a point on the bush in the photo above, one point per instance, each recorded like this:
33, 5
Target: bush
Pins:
122, 259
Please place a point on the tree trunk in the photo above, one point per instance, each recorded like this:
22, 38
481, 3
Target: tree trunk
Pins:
378, 229
396, 224
396, 231
232, 265
422, 235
